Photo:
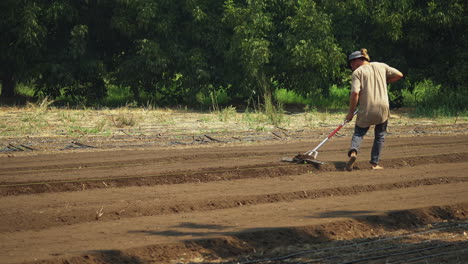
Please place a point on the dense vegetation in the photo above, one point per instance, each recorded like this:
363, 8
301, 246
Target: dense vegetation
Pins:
233, 51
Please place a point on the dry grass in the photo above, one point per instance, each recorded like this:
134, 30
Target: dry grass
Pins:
99, 213
41, 120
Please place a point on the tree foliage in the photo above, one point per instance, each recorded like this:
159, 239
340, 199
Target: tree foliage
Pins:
21, 41
174, 50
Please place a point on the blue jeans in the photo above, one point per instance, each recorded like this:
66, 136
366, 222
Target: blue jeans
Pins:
380, 131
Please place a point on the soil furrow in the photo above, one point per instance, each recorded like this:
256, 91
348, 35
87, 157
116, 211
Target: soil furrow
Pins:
233, 202
21, 220
260, 246
207, 175
73, 161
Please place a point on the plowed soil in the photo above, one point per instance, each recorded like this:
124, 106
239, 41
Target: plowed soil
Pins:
237, 203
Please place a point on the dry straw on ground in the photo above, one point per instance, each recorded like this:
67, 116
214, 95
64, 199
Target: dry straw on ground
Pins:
42, 120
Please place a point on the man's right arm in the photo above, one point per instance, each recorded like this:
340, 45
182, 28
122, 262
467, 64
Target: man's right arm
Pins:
353, 101
354, 95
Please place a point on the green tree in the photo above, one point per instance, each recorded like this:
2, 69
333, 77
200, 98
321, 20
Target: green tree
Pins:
174, 48
437, 42
312, 58
57, 44
77, 50
251, 45
287, 43
23, 35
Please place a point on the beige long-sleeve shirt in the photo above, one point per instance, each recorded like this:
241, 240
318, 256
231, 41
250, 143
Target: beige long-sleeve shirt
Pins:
370, 82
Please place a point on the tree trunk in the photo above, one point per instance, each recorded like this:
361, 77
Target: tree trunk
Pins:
8, 86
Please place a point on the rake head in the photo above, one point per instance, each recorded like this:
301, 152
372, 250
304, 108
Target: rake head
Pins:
303, 158
312, 153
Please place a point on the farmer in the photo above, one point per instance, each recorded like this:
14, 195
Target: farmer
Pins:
369, 89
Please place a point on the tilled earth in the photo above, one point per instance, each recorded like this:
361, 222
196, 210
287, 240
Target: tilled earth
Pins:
235, 202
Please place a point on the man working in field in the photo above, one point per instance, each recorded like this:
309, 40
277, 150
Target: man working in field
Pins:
369, 89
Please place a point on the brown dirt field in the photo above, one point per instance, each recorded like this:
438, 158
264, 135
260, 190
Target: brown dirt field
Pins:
227, 202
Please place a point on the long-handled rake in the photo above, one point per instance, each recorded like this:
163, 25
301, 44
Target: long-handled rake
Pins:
311, 155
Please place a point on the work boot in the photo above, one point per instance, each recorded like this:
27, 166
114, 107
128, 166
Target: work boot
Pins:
352, 159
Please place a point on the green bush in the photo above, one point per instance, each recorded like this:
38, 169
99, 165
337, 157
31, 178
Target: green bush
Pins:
430, 99
424, 94
118, 96
213, 97
26, 90
337, 98
286, 97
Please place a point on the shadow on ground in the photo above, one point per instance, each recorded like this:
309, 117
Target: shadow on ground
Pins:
203, 230
361, 238
347, 240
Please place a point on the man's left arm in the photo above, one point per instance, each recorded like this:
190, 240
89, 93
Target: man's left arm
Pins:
393, 75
